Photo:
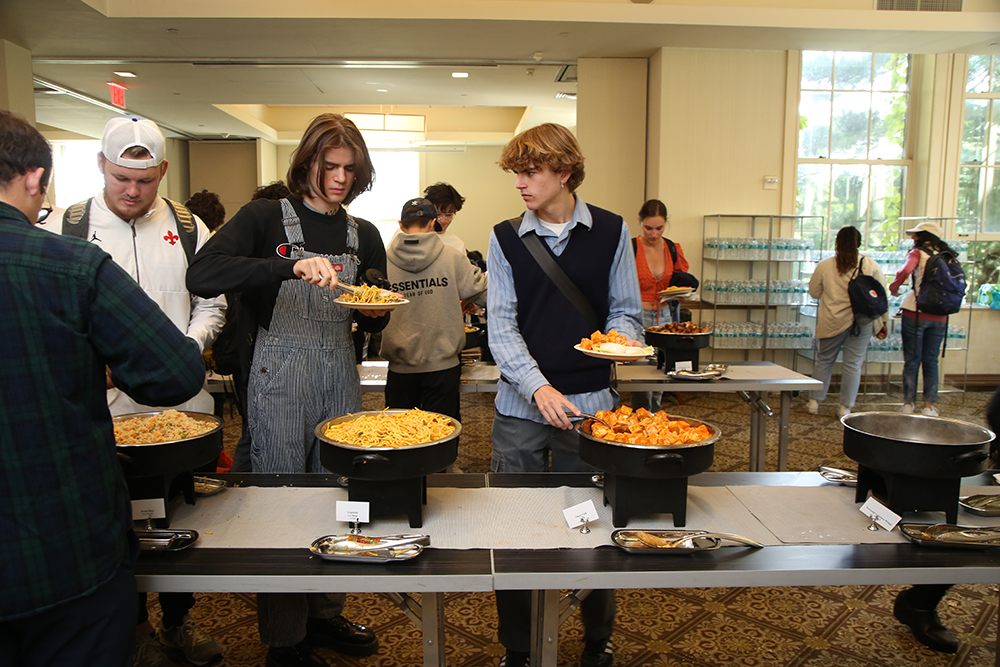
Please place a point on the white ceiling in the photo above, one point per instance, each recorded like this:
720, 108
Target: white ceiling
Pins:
186, 66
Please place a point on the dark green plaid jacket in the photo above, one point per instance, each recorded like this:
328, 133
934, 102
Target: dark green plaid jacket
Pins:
66, 311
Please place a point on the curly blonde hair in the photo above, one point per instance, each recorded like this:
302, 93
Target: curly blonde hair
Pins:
548, 144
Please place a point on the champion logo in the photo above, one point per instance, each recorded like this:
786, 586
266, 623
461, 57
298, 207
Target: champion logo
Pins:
171, 238
289, 250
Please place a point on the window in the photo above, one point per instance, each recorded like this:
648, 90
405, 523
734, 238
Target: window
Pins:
979, 173
852, 153
75, 176
397, 179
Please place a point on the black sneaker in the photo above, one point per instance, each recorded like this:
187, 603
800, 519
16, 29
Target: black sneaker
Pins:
300, 655
597, 654
342, 636
515, 659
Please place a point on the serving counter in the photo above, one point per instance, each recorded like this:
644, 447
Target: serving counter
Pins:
752, 380
254, 541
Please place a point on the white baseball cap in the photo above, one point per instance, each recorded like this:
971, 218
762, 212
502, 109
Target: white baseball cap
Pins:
124, 132
929, 227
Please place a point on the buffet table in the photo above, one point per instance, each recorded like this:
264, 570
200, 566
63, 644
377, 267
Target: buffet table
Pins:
751, 379
256, 538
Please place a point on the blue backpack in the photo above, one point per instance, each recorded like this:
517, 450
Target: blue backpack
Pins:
943, 286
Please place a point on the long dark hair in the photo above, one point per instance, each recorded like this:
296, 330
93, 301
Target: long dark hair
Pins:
329, 130
848, 240
931, 241
653, 208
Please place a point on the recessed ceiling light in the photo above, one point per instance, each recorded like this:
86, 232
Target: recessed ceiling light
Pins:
460, 75
382, 90
565, 96
127, 75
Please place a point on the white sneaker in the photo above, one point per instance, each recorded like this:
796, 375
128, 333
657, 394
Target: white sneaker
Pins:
198, 648
930, 412
844, 411
907, 409
149, 653
812, 407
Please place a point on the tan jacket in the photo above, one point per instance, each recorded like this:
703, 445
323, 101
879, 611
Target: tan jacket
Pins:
830, 287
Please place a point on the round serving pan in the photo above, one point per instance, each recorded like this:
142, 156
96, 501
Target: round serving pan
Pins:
472, 338
170, 458
669, 341
651, 461
378, 463
916, 445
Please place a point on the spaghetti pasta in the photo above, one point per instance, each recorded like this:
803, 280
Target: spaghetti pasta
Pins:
395, 430
370, 294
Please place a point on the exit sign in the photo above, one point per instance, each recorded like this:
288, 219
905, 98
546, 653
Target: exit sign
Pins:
117, 94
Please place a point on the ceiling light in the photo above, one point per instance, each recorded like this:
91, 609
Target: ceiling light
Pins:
565, 96
127, 75
381, 90
460, 75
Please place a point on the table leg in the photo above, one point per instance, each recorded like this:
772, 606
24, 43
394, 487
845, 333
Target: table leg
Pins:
433, 629
754, 425
758, 433
786, 405
544, 628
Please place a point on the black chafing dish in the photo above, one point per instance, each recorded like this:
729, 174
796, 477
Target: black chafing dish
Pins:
913, 462
163, 470
392, 480
674, 347
647, 479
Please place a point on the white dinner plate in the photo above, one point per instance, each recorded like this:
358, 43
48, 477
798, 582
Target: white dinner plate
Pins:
373, 306
642, 352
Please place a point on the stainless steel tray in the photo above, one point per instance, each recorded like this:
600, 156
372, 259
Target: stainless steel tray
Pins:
166, 540
838, 476
676, 541
981, 505
950, 536
206, 486
364, 549
694, 376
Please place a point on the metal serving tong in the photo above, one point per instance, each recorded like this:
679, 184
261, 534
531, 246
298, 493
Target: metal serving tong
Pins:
586, 415
687, 540
838, 476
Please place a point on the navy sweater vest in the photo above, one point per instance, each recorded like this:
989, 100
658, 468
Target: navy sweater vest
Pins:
549, 324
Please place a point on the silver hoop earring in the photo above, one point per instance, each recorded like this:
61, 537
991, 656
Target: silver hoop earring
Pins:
562, 184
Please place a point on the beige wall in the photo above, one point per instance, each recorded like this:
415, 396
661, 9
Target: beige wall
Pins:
16, 84
611, 128
717, 130
227, 168
489, 193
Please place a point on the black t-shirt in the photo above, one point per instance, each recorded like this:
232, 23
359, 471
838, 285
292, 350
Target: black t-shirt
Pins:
243, 256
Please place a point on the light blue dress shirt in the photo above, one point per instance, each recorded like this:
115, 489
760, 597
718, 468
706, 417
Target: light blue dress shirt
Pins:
514, 398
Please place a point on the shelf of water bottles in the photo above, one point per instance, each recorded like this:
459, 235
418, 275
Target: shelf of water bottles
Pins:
758, 249
891, 261
890, 350
750, 336
754, 292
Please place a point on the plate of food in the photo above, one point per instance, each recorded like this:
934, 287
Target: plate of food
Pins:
695, 376
361, 549
369, 297
677, 292
611, 346
679, 329
981, 505
616, 352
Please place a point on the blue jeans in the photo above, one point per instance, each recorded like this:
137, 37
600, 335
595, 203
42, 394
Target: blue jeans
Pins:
855, 348
651, 400
922, 340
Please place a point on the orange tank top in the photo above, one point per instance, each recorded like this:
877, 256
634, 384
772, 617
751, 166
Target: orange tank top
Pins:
649, 286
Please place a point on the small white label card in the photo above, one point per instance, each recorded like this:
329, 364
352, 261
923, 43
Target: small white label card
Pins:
879, 513
150, 508
577, 515
683, 366
352, 511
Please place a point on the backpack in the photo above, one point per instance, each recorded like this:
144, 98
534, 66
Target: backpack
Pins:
76, 222
943, 286
867, 294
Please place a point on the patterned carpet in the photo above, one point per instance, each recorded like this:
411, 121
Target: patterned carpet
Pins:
837, 626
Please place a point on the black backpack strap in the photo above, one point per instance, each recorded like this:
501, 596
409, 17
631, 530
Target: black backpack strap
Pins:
635, 246
76, 220
186, 227
557, 275
673, 250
